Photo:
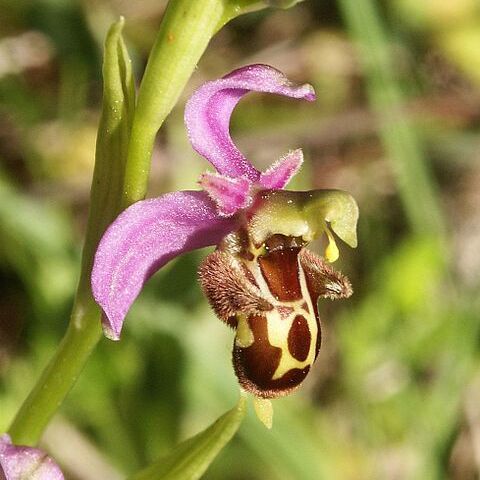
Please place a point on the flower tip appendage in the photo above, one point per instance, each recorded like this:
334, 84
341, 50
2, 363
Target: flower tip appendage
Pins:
261, 280
109, 328
264, 411
331, 252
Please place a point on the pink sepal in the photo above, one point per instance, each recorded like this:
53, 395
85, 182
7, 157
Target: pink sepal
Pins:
145, 237
208, 112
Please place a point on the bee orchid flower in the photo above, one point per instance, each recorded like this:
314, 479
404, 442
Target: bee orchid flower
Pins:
20, 462
260, 280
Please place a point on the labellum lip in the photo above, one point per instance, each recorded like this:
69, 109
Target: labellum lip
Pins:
256, 365
269, 295
268, 292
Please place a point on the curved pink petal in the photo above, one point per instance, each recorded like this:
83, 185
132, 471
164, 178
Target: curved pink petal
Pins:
19, 462
281, 172
144, 238
207, 114
230, 194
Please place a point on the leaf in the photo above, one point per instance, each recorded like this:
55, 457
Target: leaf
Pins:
191, 458
112, 142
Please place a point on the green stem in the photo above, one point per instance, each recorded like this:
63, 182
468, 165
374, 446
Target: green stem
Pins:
60, 375
184, 34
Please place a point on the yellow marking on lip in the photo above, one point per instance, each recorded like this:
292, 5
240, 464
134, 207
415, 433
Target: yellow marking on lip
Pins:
278, 330
244, 336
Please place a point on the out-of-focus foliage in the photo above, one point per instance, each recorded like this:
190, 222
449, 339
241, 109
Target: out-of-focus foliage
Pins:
395, 392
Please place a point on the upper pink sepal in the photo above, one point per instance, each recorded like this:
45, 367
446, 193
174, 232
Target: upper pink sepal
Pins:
144, 238
230, 194
280, 172
208, 112
21, 462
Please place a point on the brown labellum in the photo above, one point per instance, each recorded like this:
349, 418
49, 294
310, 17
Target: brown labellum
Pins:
269, 295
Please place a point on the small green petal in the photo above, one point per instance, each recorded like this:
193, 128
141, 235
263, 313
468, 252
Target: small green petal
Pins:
338, 208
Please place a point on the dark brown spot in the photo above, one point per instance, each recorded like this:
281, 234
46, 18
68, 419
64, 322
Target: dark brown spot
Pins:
299, 339
280, 270
258, 362
244, 245
305, 307
256, 365
275, 242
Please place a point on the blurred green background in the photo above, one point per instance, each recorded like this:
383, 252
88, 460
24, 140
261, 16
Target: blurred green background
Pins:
395, 393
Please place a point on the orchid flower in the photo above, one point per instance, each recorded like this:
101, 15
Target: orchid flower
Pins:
260, 280
19, 463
